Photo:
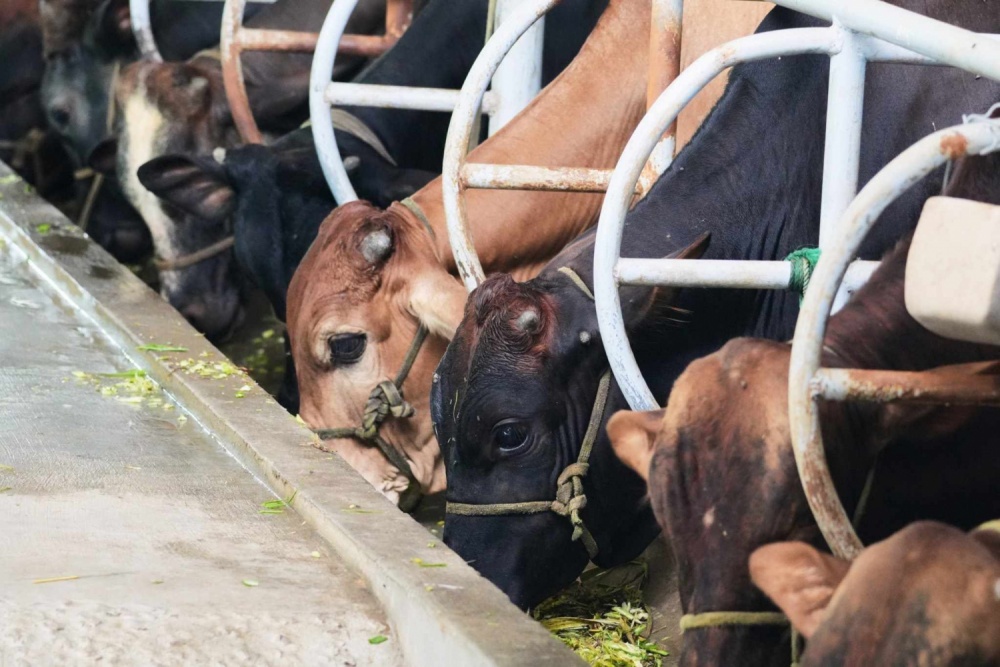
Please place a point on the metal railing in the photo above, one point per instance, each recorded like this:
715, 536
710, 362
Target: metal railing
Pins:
234, 39
808, 383
514, 85
905, 38
458, 175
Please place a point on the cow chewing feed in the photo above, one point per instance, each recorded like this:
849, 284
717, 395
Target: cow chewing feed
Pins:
721, 471
336, 293
751, 178
929, 596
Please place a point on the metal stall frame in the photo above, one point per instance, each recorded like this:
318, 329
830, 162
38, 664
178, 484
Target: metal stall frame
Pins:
513, 86
809, 383
458, 175
234, 39
863, 31
142, 27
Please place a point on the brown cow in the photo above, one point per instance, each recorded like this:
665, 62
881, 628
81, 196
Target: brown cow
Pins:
722, 475
371, 277
928, 596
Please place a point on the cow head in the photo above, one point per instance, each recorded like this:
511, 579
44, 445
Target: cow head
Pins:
512, 400
85, 44
354, 306
928, 595
181, 108
722, 481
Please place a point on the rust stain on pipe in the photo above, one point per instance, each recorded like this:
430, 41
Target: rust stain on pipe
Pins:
234, 39
954, 385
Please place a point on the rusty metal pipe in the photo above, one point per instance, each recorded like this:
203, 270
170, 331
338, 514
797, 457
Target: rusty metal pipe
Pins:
950, 386
234, 39
530, 177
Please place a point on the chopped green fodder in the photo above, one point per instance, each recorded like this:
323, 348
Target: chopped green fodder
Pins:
215, 370
378, 639
603, 619
158, 347
133, 387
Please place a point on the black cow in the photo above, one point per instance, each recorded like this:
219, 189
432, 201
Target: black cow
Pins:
26, 143
276, 195
513, 401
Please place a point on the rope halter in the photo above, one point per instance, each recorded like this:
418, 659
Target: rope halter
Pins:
385, 400
570, 496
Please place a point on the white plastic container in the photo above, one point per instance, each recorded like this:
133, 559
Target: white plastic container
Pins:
953, 270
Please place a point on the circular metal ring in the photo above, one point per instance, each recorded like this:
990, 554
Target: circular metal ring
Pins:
463, 119
893, 180
640, 146
142, 28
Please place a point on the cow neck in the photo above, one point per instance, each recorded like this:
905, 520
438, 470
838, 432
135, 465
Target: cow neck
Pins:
601, 96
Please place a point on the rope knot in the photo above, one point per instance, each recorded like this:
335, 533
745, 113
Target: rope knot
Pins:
570, 497
803, 263
386, 399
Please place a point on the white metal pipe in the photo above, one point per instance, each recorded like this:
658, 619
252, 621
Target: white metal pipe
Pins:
842, 153
647, 134
935, 39
894, 179
320, 76
460, 132
142, 28
519, 77
530, 177
877, 50
719, 273
398, 97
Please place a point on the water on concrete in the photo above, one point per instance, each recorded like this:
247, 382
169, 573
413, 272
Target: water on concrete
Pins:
129, 536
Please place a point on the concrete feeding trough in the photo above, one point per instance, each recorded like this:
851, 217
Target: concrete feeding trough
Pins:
953, 270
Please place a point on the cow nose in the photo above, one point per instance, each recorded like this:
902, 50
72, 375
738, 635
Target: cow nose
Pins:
60, 116
216, 321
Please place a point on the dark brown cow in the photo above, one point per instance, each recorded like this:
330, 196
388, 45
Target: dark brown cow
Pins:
722, 475
928, 596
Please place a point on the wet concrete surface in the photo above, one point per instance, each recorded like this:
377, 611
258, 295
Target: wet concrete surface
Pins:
130, 536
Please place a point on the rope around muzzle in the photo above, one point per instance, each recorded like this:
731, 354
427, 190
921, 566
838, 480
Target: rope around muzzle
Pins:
570, 496
719, 619
385, 400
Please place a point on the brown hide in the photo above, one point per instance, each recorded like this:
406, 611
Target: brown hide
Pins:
929, 595
583, 119
722, 476
63, 22
707, 24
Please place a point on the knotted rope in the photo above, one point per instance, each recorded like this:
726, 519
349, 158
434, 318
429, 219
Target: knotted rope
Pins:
570, 495
385, 400
803, 263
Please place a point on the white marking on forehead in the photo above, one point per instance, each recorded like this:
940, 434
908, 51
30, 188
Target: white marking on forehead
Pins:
142, 123
996, 589
709, 518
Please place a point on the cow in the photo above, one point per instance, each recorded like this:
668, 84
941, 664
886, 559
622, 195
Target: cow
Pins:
182, 107
374, 278
26, 143
722, 474
929, 595
527, 359
86, 42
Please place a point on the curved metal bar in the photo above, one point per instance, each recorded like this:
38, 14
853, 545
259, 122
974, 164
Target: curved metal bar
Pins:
463, 119
232, 72
626, 175
142, 28
320, 76
894, 179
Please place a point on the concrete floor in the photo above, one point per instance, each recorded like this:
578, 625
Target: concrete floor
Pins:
159, 525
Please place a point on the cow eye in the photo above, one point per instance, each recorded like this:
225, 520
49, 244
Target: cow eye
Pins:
346, 349
510, 436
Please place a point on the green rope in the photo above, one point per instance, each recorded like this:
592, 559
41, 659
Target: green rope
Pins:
803, 263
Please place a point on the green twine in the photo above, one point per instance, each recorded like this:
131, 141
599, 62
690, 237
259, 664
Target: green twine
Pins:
803, 263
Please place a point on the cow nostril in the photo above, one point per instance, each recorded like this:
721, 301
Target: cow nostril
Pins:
60, 116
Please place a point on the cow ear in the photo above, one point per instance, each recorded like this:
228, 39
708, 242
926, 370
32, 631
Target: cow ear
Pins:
104, 158
195, 185
637, 302
633, 436
437, 299
799, 579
